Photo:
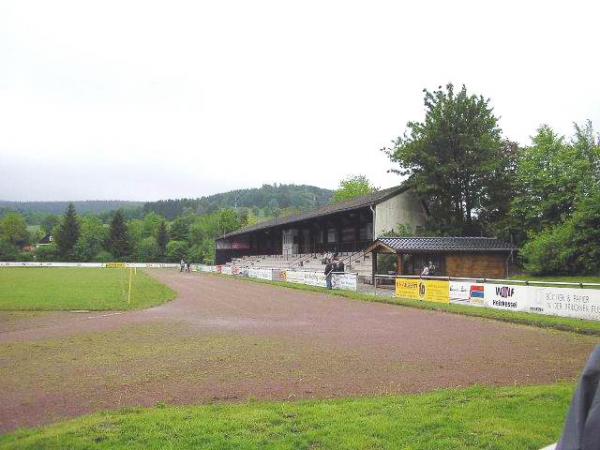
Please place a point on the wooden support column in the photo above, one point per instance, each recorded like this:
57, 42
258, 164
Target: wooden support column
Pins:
373, 266
400, 269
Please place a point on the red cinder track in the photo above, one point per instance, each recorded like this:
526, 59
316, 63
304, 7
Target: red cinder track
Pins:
225, 339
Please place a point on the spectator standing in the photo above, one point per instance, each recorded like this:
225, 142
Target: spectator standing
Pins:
329, 268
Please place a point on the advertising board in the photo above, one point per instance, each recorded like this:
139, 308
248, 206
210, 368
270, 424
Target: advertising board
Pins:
437, 291
262, 274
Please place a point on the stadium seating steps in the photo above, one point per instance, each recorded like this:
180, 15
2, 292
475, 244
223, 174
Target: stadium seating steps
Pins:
355, 262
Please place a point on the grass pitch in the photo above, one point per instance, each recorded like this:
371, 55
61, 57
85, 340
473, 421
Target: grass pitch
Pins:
475, 418
66, 288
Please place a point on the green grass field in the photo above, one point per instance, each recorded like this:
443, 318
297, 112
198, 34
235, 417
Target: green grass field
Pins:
61, 288
475, 418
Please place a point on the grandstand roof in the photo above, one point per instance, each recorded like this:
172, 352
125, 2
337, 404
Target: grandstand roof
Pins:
440, 244
349, 205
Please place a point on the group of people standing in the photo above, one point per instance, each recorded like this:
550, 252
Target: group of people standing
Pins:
184, 266
334, 264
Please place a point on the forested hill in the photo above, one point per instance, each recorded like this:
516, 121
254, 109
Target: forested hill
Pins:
267, 197
82, 207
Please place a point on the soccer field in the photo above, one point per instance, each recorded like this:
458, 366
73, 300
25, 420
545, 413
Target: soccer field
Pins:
62, 288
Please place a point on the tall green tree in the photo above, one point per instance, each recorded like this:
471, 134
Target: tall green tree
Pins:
455, 160
13, 229
353, 187
557, 202
92, 238
179, 229
49, 222
162, 239
68, 233
152, 222
118, 239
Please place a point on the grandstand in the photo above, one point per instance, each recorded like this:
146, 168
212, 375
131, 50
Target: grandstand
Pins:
347, 228
358, 262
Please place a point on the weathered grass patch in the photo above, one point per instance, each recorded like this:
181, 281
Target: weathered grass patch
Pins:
476, 418
66, 288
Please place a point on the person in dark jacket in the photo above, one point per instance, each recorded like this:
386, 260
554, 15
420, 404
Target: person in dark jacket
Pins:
582, 428
340, 267
329, 268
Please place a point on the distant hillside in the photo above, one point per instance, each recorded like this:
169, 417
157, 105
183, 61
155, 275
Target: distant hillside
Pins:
270, 197
82, 207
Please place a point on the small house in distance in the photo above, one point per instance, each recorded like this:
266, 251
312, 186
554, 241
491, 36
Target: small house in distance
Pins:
472, 257
46, 240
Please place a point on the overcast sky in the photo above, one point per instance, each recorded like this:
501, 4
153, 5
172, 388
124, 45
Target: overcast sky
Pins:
146, 100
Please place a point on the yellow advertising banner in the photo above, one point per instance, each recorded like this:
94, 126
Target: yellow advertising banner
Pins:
407, 288
116, 265
437, 291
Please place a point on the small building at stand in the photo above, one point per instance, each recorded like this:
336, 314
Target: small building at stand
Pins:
473, 257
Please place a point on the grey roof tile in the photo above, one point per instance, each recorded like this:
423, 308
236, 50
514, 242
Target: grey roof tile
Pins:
445, 244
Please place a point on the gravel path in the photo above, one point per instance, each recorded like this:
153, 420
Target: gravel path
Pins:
226, 339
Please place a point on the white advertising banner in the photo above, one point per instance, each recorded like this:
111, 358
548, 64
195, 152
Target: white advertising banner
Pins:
554, 301
467, 293
87, 264
460, 290
294, 276
346, 281
567, 302
51, 264
153, 265
262, 274
508, 297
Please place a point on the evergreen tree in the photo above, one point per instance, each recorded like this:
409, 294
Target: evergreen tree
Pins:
68, 233
162, 238
118, 239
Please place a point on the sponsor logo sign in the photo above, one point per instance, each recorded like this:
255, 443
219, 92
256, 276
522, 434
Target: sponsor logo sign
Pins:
510, 297
407, 288
437, 291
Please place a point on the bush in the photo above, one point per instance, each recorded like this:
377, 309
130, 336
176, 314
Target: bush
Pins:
47, 253
25, 256
8, 251
103, 256
570, 248
176, 250
147, 250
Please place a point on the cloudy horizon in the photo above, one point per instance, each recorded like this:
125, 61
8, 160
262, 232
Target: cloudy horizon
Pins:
139, 101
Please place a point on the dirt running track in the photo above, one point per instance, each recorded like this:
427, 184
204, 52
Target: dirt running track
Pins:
224, 339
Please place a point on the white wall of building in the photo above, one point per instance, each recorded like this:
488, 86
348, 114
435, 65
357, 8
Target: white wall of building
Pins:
403, 208
287, 239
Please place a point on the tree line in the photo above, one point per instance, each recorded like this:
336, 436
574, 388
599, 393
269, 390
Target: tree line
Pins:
543, 197
474, 181
87, 238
